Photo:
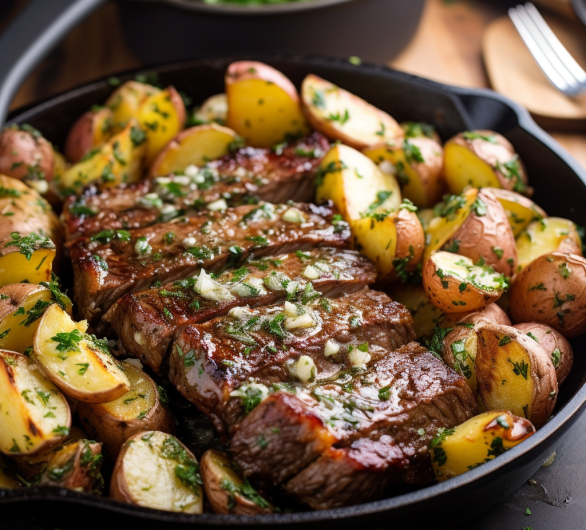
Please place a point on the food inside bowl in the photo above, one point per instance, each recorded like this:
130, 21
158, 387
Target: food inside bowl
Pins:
354, 308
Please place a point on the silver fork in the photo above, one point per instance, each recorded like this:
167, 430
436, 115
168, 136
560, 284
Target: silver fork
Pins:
552, 57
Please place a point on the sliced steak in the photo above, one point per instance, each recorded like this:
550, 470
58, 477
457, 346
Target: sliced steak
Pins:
112, 263
245, 176
212, 360
147, 321
406, 396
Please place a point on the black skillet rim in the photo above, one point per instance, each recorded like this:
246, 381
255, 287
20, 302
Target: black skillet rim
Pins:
524, 121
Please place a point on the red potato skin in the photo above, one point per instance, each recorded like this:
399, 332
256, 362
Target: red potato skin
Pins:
80, 139
177, 102
20, 150
244, 70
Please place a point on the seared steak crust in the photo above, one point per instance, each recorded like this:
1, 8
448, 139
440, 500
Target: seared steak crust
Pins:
248, 174
147, 321
112, 263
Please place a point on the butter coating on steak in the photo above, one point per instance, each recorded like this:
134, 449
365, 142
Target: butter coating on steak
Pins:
147, 321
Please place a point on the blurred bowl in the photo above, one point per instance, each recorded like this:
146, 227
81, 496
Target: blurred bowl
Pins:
174, 30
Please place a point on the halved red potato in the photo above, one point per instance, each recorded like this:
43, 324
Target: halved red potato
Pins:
127, 99
551, 290
91, 130
520, 210
544, 236
413, 129
193, 146
554, 344
25, 154
263, 105
35, 415
514, 373
213, 109
343, 116
483, 159
455, 285
417, 164
26, 259
79, 364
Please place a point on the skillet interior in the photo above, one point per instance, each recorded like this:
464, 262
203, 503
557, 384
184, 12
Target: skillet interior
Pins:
560, 185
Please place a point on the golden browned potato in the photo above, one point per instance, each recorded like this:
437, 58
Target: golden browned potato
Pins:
551, 291
35, 415
75, 466
79, 364
91, 130
155, 470
343, 116
128, 98
417, 164
544, 236
26, 258
477, 441
483, 159
425, 315
263, 104
519, 209
193, 146
554, 344
514, 373
142, 408
455, 285
213, 109
228, 492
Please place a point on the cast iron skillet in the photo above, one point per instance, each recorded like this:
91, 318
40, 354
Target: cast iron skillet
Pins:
560, 185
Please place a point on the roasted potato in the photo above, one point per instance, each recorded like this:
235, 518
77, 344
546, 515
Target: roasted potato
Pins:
26, 259
128, 98
194, 146
483, 159
425, 315
7, 478
263, 105
35, 415
476, 441
91, 130
155, 470
226, 491
519, 209
514, 373
554, 344
413, 129
79, 364
551, 290
455, 285
75, 466
417, 164
544, 236
212, 110
141, 408
343, 116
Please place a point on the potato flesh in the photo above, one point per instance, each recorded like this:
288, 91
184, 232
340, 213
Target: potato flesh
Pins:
543, 237
519, 215
464, 269
126, 101
151, 480
464, 168
377, 239
16, 336
34, 412
213, 109
15, 268
425, 315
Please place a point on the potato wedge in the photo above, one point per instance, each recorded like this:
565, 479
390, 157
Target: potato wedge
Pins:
519, 209
554, 344
417, 164
79, 364
459, 352
483, 159
193, 146
127, 99
26, 258
343, 116
455, 285
514, 373
226, 491
142, 408
263, 105
425, 315
93, 129
477, 441
35, 415
155, 470
212, 110
544, 236
355, 184
75, 466
551, 291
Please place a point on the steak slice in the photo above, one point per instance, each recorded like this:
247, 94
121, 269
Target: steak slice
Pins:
406, 396
112, 263
212, 360
147, 321
248, 174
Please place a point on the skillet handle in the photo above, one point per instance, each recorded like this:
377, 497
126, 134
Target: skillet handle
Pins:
39, 27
